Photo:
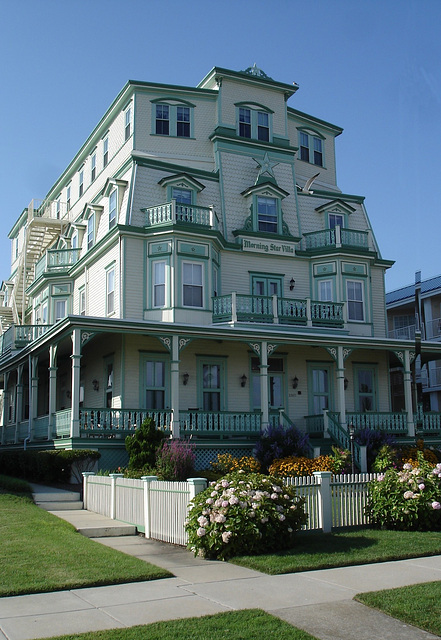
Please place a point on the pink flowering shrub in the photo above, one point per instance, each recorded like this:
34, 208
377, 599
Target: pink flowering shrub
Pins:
175, 460
243, 513
407, 499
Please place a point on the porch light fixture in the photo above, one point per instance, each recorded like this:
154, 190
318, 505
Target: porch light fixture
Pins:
295, 382
185, 378
243, 380
95, 385
292, 284
346, 383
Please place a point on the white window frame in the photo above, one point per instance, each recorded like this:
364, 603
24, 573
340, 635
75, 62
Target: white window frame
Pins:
105, 151
195, 266
159, 283
307, 148
82, 301
60, 301
127, 123
91, 230
275, 221
325, 290
258, 130
113, 210
355, 301
110, 290
80, 182
68, 190
93, 166
176, 125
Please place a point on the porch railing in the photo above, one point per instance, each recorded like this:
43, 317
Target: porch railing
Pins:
61, 425
392, 422
175, 212
56, 260
235, 307
221, 424
98, 421
403, 333
18, 336
334, 428
335, 238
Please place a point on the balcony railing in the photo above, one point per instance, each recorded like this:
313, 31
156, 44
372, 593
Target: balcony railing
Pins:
54, 209
56, 260
219, 423
99, 421
177, 213
391, 422
18, 336
335, 238
403, 333
236, 307
433, 329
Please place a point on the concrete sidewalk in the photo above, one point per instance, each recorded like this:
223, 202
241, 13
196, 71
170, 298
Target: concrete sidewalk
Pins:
320, 602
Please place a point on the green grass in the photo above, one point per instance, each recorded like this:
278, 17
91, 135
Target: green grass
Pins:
418, 605
40, 552
345, 548
237, 625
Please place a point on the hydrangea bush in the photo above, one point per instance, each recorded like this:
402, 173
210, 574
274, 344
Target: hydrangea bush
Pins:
407, 499
243, 513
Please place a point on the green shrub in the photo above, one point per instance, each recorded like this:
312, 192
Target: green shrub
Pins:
54, 466
143, 444
407, 499
243, 513
277, 442
14, 485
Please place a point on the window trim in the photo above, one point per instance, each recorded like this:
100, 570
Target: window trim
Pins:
373, 368
362, 301
143, 388
127, 122
172, 105
80, 182
93, 166
110, 293
155, 284
312, 136
321, 366
254, 109
220, 361
82, 301
113, 210
184, 284
105, 150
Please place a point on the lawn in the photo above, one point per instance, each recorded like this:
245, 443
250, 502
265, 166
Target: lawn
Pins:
40, 553
345, 548
238, 625
418, 605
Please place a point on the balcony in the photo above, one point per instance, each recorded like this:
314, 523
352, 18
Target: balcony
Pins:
236, 307
433, 329
171, 213
337, 238
403, 333
56, 260
18, 336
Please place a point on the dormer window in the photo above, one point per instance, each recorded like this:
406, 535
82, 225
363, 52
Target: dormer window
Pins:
92, 214
172, 118
114, 191
336, 214
112, 208
336, 220
311, 147
254, 122
267, 215
265, 203
127, 123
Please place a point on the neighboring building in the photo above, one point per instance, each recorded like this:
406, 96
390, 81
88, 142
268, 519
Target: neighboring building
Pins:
401, 307
197, 261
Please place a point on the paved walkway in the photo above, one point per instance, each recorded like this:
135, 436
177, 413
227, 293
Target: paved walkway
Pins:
320, 602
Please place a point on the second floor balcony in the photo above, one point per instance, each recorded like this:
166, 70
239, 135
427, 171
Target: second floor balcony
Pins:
235, 307
336, 238
56, 260
173, 212
18, 336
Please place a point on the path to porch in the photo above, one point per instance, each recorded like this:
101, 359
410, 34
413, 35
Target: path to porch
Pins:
320, 602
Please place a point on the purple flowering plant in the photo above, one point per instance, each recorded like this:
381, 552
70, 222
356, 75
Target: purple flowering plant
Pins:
244, 513
408, 499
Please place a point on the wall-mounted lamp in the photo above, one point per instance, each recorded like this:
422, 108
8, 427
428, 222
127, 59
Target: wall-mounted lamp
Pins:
243, 380
346, 383
185, 378
295, 382
292, 284
95, 385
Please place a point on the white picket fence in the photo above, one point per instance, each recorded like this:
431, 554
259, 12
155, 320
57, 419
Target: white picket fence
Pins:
159, 509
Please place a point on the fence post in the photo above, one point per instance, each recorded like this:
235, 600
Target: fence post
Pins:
86, 476
325, 506
195, 486
147, 511
113, 477
363, 459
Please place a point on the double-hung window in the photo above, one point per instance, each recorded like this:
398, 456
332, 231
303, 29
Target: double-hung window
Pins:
267, 214
159, 283
80, 183
93, 167
325, 290
192, 285
105, 151
91, 231
82, 301
311, 149
253, 123
68, 197
354, 294
173, 120
110, 291
127, 123
113, 198
60, 309
211, 387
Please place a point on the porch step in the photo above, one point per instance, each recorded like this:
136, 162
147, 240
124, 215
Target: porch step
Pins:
51, 505
53, 499
109, 531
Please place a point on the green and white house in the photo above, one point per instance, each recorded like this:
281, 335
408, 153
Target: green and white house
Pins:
196, 261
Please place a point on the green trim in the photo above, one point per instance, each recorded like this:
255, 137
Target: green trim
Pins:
289, 89
308, 130
305, 116
234, 139
168, 166
266, 236
174, 100
253, 105
321, 193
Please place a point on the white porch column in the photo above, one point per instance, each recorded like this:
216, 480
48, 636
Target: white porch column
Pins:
33, 393
75, 406
341, 387
264, 400
52, 389
408, 394
19, 400
174, 375
5, 408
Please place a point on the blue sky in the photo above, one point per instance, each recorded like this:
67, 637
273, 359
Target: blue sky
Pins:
371, 67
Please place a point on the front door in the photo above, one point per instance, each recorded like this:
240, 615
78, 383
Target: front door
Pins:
276, 383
